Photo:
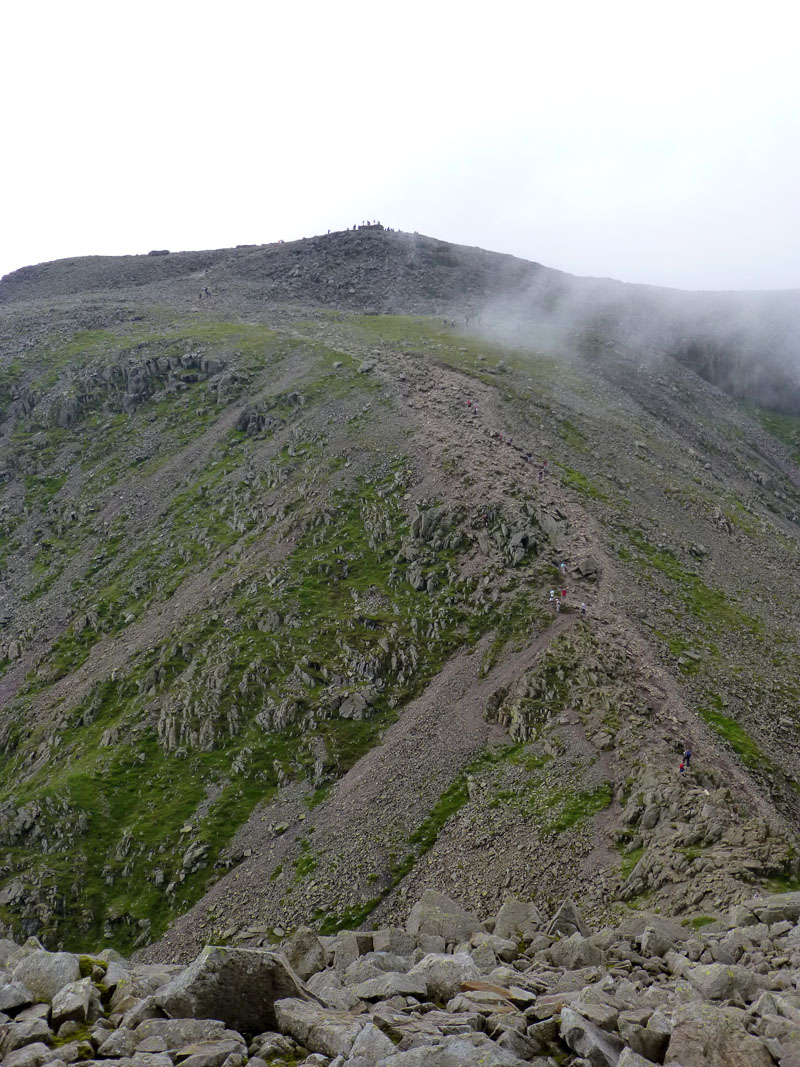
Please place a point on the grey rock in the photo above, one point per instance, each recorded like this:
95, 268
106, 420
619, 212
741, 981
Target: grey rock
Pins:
331, 991
121, 1042
7, 950
517, 920
705, 1035
76, 1000
777, 907
574, 952
14, 995
444, 975
29, 1056
439, 915
35, 1011
392, 939
567, 921
19, 1034
655, 943
718, 981
44, 973
599, 1048
633, 1029
348, 946
272, 1045
375, 963
318, 1029
237, 985
211, 1052
391, 984
629, 1058
460, 1050
504, 948
175, 1033
305, 953
369, 1046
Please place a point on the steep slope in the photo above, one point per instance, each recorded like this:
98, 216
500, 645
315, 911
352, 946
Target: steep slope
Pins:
275, 601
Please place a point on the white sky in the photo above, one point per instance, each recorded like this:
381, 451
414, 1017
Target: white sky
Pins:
648, 141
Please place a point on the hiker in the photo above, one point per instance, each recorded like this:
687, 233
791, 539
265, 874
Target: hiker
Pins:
687, 756
564, 593
552, 595
562, 567
681, 768
541, 476
583, 610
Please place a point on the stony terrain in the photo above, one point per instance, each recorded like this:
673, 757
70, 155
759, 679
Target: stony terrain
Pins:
277, 643
445, 990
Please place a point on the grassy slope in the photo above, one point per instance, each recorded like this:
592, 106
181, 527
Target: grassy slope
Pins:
302, 558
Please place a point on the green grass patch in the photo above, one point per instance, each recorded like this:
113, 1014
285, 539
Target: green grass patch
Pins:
629, 861
737, 737
697, 922
580, 483
580, 807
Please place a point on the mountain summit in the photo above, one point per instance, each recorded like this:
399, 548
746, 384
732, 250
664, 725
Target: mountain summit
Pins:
339, 570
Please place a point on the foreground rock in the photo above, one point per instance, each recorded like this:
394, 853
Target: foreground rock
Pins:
647, 991
237, 985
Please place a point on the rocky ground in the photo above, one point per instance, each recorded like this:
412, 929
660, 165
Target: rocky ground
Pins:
445, 990
277, 644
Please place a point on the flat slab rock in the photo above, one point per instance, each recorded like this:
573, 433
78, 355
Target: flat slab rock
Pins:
460, 1050
331, 1033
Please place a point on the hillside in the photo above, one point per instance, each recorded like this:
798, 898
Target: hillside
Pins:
276, 557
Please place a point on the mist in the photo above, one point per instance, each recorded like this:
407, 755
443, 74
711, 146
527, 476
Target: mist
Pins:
747, 343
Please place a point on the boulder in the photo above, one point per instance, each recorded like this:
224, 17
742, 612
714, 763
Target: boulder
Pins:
444, 975
121, 1042
7, 950
390, 984
392, 939
574, 952
348, 946
175, 1033
318, 1029
29, 1056
305, 953
458, 1050
331, 991
14, 996
369, 1046
237, 985
633, 1029
705, 1035
599, 1048
375, 963
78, 1001
18, 1035
213, 1052
629, 1058
517, 920
776, 907
437, 914
655, 943
44, 973
567, 921
720, 981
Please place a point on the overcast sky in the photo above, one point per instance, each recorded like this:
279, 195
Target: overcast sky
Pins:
652, 142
